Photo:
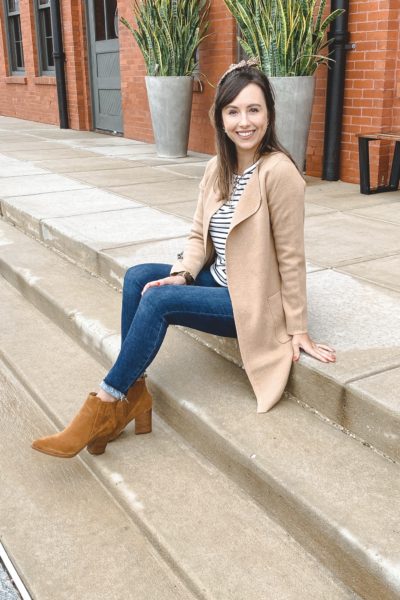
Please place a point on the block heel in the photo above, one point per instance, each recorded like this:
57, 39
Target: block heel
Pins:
143, 422
98, 446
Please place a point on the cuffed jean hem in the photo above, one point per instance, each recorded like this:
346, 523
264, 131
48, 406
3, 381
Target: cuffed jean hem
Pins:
112, 391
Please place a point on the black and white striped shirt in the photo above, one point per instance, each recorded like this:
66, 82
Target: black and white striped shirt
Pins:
220, 224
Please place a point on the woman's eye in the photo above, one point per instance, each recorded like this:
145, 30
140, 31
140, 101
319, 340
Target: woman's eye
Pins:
232, 112
254, 109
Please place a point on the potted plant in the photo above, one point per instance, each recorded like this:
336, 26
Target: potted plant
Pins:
287, 37
168, 33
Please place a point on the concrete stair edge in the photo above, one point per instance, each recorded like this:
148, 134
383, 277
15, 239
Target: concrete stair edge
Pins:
220, 442
220, 437
84, 565
79, 330
112, 468
377, 426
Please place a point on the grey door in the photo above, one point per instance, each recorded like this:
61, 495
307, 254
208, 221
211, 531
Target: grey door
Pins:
105, 69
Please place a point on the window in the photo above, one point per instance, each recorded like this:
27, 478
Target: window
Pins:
15, 48
106, 19
45, 36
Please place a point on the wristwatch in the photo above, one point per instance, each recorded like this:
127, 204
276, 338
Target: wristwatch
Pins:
186, 275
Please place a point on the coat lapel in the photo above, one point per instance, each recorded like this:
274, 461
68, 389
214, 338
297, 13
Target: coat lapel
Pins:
249, 201
248, 204
211, 206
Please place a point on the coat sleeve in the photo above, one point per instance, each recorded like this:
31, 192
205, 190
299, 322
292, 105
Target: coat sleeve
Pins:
285, 193
194, 255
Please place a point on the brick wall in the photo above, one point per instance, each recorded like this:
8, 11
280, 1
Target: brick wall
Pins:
34, 97
217, 53
372, 94
396, 103
77, 68
372, 87
29, 96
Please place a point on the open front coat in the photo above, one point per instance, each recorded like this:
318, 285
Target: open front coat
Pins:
265, 266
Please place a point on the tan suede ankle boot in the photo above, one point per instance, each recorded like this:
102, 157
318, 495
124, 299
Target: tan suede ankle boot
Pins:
95, 421
138, 406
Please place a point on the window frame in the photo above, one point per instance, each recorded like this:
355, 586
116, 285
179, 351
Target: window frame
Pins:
44, 68
13, 68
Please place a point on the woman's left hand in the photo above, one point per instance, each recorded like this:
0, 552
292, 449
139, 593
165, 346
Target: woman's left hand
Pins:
320, 351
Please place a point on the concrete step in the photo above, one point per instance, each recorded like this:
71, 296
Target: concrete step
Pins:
207, 535
357, 392
334, 494
66, 536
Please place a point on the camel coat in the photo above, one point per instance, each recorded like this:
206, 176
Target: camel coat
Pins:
265, 266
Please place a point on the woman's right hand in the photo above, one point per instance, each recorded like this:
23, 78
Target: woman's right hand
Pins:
171, 280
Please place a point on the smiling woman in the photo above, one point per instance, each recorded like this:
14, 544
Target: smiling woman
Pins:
242, 273
243, 115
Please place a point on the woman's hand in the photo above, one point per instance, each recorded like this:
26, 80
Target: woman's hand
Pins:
320, 351
171, 280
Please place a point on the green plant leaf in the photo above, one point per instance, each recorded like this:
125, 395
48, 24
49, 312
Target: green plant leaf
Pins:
286, 35
169, 33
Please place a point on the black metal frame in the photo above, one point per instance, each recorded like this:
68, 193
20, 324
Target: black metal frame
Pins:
59, 60
363, 155
338, 36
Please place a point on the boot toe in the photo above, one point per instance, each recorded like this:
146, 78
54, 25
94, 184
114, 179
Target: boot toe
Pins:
46, 446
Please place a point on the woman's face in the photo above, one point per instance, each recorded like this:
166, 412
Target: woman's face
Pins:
245, 120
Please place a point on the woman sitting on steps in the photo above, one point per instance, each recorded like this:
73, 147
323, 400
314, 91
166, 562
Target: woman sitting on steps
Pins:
242, 273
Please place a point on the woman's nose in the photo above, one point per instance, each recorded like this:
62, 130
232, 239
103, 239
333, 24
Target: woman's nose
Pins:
244, 119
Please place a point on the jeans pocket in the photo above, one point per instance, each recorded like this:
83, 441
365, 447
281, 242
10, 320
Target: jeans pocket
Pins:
278, 316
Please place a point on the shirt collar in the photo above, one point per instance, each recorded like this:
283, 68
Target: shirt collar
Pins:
248, 170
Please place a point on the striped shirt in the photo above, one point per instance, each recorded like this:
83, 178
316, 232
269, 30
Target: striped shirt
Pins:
220, 224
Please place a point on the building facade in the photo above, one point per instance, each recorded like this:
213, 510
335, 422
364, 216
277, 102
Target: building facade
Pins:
105, 75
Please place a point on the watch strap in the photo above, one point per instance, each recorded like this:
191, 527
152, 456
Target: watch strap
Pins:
186, 275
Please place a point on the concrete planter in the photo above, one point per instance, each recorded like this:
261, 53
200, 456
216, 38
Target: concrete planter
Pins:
293, 101
170, 100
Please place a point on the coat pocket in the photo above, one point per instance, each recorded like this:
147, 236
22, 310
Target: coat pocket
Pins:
278, 316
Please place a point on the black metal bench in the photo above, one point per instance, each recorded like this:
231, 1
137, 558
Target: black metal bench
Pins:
363, 154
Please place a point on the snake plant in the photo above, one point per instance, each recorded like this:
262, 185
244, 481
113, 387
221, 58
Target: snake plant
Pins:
287, 36
168, 33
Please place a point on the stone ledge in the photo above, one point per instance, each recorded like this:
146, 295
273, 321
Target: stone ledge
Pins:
45, 80
16, 79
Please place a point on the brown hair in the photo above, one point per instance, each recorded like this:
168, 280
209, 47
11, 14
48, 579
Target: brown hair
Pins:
228, 88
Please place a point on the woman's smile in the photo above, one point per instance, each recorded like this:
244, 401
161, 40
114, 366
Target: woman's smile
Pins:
245, 134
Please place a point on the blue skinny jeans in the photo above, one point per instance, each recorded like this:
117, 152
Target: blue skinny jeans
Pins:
205, 306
